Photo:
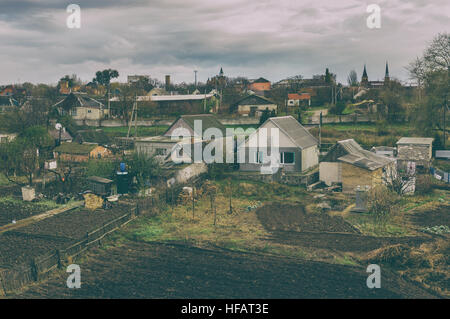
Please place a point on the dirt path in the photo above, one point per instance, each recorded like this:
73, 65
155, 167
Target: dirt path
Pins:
36, 218
142, 270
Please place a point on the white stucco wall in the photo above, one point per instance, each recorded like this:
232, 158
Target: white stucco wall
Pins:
310, 157
330, 172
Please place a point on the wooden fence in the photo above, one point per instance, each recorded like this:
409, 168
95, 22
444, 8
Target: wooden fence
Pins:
15, 277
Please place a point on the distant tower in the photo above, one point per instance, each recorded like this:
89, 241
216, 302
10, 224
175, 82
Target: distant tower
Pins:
386, 75
364, 78
221, 72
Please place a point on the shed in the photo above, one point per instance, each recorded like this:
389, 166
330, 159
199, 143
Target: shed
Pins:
415, 149
348, 163
102, 186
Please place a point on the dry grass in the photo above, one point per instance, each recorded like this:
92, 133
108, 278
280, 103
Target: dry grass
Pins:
426, 264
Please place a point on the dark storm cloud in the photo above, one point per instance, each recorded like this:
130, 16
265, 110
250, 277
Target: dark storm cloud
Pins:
266, 38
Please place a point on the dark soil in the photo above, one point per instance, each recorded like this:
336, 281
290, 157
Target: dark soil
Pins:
341, 242
10, 210
440, 216
141, 270
18, 248
76, 223
286, 217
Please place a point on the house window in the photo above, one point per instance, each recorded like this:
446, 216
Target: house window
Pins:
73, 111
160, 151
287, 157
259, 157
89, 111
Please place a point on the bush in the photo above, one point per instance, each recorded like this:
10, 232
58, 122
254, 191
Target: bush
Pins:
382, 203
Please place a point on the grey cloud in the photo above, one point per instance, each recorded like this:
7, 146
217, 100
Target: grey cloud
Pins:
267, 38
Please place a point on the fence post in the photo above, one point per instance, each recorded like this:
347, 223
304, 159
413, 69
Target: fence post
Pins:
34, 270
3, 290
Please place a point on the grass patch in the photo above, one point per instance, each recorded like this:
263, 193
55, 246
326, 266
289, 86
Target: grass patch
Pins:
122, 131
345, 260
366, 224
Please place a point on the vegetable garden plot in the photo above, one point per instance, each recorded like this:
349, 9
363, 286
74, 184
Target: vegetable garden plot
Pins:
17, 248
15, 209
77, 223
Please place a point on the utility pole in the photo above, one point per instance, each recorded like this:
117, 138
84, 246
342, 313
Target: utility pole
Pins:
320, 131
193, 200
109, 103
131, 119
136, 116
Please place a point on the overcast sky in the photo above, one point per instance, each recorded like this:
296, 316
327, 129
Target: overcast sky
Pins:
274, 39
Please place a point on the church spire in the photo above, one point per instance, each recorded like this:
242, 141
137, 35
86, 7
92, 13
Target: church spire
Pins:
386, 74
364, 78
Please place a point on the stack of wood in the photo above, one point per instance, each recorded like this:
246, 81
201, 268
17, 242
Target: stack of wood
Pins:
92, 201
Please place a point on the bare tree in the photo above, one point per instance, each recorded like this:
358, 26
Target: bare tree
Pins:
399, 181
352, 78
437, 55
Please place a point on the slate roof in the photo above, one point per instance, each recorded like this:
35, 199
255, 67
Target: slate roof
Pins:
416, 140
101, 180
208, 121
80, 100
254, 99
260, 80
360, 157
65, 136
296, 132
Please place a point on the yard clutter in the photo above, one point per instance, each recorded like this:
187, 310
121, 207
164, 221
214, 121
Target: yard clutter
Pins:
28, 193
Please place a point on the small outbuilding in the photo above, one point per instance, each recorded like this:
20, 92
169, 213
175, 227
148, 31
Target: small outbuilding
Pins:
102, 186
415, 149
347, 163
254, 105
